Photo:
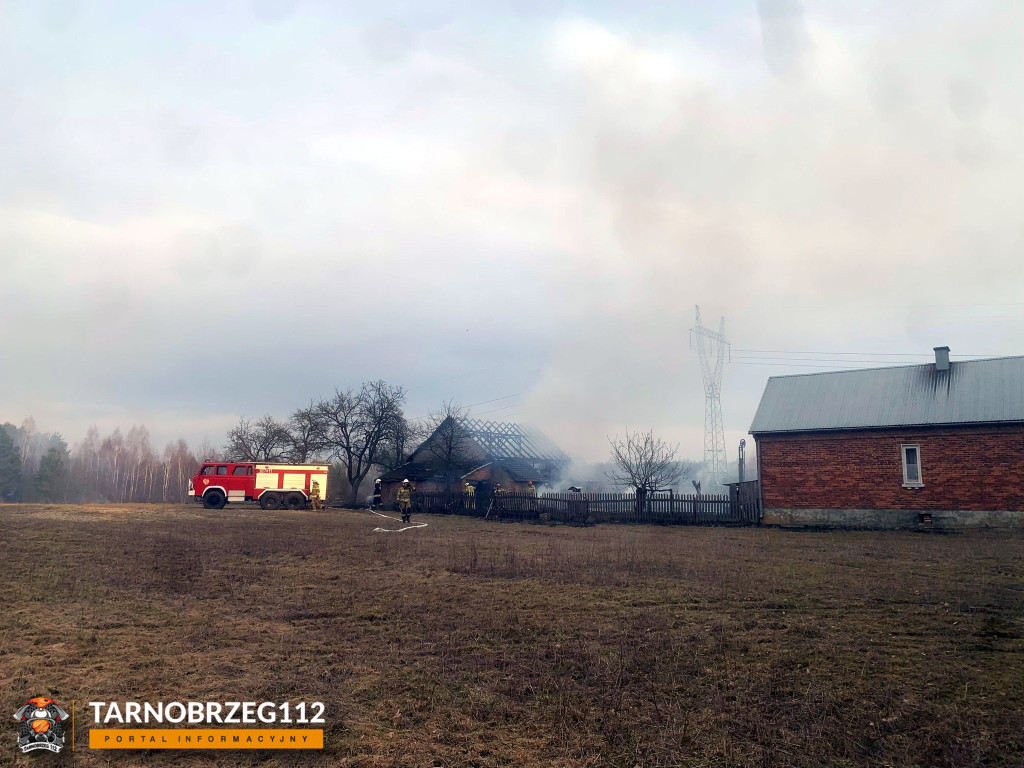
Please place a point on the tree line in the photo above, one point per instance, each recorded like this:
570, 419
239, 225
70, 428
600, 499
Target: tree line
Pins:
355, 430
39, 466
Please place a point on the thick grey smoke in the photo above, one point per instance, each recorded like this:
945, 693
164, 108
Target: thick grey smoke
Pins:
478, 200
850, 208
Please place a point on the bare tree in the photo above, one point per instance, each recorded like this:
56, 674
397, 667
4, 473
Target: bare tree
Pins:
206, 451
112, 453
139, 457
307, 434
402, 435
646, 463
264, 440
357, 425
28, 431
178, 466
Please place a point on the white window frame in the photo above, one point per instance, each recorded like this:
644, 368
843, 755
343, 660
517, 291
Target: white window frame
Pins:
919, 483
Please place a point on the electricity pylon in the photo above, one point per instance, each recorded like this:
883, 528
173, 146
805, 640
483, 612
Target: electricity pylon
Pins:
711, 349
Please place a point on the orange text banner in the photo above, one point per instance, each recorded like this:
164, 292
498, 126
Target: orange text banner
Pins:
206, 738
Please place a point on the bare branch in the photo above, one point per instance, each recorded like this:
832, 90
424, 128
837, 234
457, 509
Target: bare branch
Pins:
646, 463
264, 440
307, 434
357, 426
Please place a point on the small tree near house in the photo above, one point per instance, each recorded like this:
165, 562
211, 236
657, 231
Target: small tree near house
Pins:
402, 435
645, 463
449, 445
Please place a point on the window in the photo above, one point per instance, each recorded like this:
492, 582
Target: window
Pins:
222, 469
912, 466
207, 470
239, 470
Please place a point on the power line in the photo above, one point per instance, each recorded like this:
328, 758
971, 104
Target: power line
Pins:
494, 400
495, 410
482, 402
875, 354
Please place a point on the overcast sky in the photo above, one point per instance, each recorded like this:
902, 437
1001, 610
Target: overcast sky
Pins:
217, 209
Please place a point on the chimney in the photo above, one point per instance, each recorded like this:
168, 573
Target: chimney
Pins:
941, 358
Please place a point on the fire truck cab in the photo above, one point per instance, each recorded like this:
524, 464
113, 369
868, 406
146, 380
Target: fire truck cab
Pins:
274, 486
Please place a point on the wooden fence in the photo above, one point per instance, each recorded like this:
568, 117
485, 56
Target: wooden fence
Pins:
740, 507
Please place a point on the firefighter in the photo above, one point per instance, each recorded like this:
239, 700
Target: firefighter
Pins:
314, 497
498, 499
470, 496
531, 496
405, 500
376, 494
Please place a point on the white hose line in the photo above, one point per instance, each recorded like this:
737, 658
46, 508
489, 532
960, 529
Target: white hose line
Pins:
397, 519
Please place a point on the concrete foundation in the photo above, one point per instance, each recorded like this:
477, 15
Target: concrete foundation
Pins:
891, 519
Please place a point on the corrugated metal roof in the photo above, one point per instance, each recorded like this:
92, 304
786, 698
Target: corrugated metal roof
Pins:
970, 392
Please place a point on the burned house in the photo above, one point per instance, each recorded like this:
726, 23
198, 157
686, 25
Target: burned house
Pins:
477, 451
903, 446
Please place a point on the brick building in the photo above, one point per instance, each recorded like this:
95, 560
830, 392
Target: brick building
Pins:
477, 452
940, 444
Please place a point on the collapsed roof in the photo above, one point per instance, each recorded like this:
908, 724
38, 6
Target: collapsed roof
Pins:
524, 452
506, 440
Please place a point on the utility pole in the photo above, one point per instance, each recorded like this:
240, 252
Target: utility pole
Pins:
712, 348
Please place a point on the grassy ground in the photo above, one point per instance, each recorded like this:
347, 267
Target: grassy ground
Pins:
472, 643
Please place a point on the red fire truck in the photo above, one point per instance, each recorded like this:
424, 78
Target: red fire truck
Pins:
273, 485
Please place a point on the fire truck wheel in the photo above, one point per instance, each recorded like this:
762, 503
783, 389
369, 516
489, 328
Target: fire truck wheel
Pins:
213, 500
295, 501
270, 501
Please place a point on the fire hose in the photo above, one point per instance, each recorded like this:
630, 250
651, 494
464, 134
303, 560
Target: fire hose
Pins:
398, 520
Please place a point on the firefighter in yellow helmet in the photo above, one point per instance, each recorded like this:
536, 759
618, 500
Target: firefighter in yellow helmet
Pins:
314, 497
531, 496
405, 500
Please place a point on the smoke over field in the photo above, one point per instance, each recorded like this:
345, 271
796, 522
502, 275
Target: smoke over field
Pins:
514, 199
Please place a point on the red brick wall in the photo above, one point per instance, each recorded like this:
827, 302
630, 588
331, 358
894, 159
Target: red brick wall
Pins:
965, 468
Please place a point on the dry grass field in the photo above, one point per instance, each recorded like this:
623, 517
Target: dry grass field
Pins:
472, 643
